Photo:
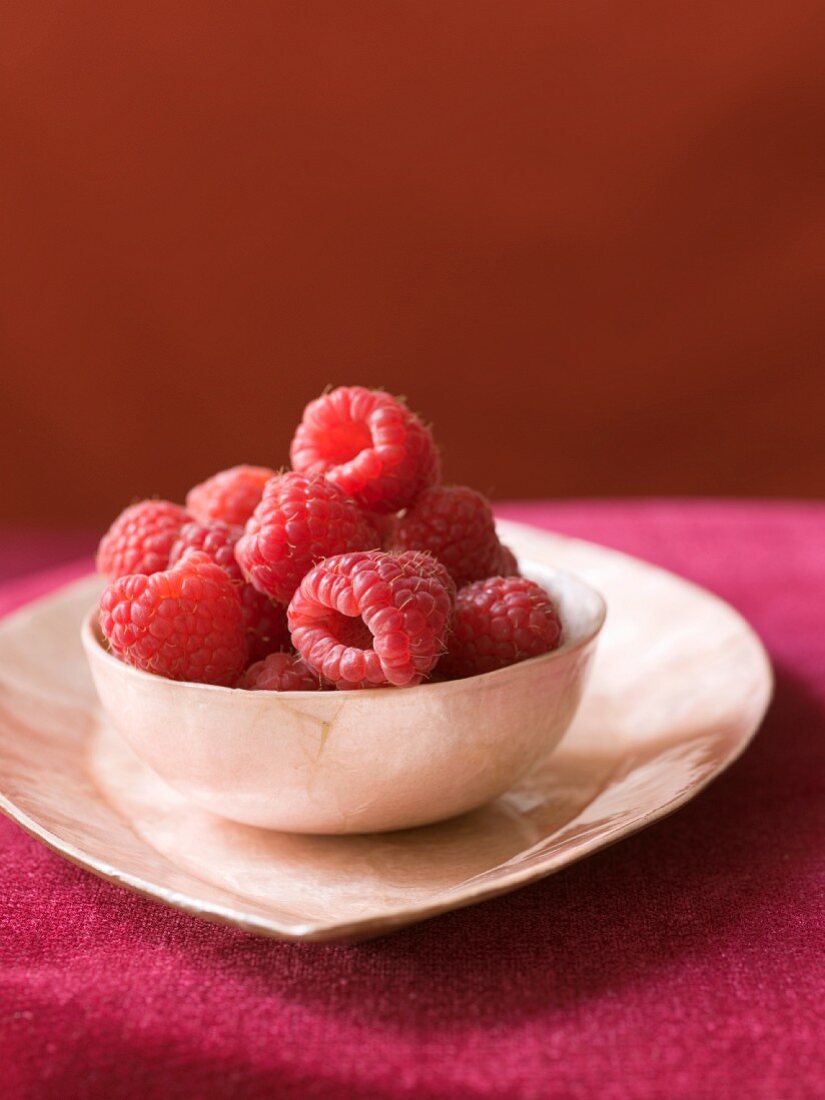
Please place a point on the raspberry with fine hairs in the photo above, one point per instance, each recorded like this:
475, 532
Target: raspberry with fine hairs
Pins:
264, 620
280, 672
230, 496
455, 524
370, 619
369, 444
215, 539
140, 539
497, 622
184, 623
299, 521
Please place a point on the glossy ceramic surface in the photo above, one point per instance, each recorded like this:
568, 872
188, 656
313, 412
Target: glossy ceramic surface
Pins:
678, 688
340, 762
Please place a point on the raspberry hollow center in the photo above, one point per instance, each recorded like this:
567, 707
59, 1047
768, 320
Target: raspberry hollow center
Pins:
349, 630
344, 442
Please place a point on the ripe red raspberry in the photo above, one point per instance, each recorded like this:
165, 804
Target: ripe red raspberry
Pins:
456, 525
264, 620
369, 444
299, 521
185, 623
498, 622
506, 566
140, 539
280, 672
230, 496
369, 619
215, 539
265, 623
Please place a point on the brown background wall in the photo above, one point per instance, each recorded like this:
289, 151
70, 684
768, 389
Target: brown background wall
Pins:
586, 239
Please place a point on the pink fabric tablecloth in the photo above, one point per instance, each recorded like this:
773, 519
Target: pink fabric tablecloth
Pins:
685, 962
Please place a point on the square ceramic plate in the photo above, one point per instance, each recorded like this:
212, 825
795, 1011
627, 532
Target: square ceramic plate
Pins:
679, 687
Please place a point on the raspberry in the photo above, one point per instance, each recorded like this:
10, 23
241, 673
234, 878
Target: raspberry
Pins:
140, 539
265, 623
369, 444
185, 623
456, 525
506, 566
369, 619
230, 496
215, 539
280, 672
498, 622
264, 620
299, 521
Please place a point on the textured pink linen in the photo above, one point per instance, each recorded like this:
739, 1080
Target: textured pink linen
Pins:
686, 961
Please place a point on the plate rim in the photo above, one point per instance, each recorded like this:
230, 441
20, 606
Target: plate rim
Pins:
369, 927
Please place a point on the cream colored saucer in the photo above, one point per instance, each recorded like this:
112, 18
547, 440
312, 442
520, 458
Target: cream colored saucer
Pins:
679, 687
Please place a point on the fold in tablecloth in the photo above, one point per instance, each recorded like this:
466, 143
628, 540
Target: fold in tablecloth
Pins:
685, 962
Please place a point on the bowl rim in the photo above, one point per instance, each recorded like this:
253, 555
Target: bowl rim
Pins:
95, 649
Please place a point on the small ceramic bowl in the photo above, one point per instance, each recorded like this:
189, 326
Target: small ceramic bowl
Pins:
355, 761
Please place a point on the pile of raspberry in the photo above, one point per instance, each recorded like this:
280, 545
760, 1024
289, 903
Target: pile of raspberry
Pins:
356, 568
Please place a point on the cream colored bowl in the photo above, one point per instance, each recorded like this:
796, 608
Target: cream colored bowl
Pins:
360, 761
